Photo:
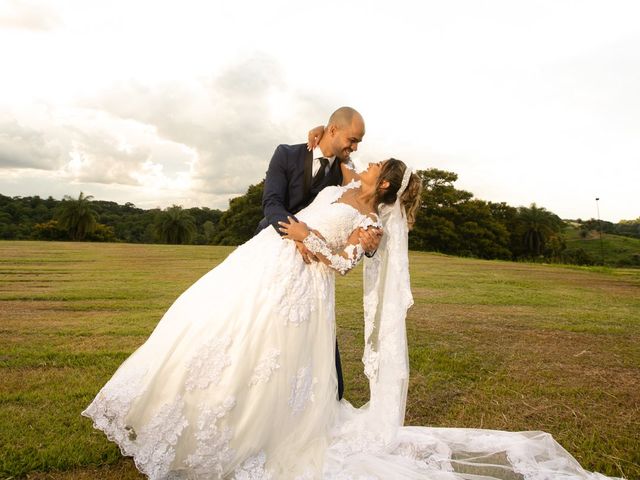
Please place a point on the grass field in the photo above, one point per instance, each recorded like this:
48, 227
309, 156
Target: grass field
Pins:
492, 344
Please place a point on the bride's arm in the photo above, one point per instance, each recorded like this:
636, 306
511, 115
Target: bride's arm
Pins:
342, 261
314, 136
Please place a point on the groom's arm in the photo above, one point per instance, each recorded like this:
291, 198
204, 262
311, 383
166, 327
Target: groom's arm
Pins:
276, 185
275, 189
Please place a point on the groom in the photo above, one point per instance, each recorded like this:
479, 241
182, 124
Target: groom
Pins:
296, 175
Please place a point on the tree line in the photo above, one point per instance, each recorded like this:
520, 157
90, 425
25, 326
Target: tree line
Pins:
450, 221
85, 219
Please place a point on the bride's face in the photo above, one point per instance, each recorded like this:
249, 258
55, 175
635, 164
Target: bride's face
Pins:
371, 174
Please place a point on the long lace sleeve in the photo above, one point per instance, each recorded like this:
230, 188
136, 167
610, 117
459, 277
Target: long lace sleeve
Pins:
341, 262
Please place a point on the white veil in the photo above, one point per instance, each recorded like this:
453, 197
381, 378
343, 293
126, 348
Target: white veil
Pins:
387, 297
372, 439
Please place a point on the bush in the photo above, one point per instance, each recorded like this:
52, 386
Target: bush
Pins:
632, 261
577, 256
50, 230
102, 233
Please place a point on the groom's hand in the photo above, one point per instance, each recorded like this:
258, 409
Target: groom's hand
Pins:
370, 239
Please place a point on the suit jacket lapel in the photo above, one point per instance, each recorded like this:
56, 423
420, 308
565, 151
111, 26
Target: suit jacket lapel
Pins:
308, 169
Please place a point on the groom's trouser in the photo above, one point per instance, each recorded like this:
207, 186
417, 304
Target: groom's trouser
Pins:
339, 372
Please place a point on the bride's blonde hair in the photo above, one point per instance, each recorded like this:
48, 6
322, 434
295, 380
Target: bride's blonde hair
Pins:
392, 171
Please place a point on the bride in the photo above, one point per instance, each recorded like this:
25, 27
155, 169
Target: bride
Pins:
238, 380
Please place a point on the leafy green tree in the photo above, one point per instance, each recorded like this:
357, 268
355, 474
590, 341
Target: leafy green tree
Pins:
435, 227
536, 226
480, 234
209, 230
238, 224
174, 225
628, 228
77, 216
452, 221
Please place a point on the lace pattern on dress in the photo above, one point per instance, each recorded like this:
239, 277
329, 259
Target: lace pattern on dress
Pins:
266, 366
302, 389
253, 469
299, 288
296, 305
308, 474
338, 262
207, 364
349, 165
212, 441
110, 407
154, 445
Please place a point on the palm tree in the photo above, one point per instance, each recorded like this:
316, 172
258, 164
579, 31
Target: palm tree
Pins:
175, 225
77, 216
536, 226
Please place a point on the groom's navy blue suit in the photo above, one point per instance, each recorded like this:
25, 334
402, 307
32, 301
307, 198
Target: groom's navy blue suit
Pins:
288, 188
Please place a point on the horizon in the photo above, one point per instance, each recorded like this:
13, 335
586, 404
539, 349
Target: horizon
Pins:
526, 103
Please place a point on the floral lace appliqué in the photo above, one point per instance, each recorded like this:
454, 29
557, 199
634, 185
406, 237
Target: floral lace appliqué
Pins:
253, 469
154, 444
308, 474
207, 364
112, 404
267, 365
301, 390
212, 451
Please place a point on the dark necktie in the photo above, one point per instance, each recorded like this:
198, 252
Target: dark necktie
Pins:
321, 171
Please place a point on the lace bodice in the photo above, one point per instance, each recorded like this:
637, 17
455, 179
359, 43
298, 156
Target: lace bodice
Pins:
333, 219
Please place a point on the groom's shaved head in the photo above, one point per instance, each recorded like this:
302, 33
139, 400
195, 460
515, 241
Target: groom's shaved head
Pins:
343, 133
343, 117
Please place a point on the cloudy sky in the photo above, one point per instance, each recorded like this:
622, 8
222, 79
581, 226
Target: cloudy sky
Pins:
163, 102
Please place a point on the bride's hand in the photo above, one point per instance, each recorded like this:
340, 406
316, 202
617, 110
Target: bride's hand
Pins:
294, 230
315, 134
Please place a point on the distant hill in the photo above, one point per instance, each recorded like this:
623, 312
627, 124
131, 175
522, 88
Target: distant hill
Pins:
619, 251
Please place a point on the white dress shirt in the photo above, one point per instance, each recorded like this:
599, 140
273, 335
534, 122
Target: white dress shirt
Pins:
317, 155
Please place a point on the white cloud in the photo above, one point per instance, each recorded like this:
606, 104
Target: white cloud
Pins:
230, 120
29, 15
185, 102
24, 147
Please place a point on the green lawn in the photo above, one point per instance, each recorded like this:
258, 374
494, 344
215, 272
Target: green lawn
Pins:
492, 344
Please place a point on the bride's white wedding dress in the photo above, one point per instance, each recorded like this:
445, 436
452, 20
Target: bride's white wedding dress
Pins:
238, 380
